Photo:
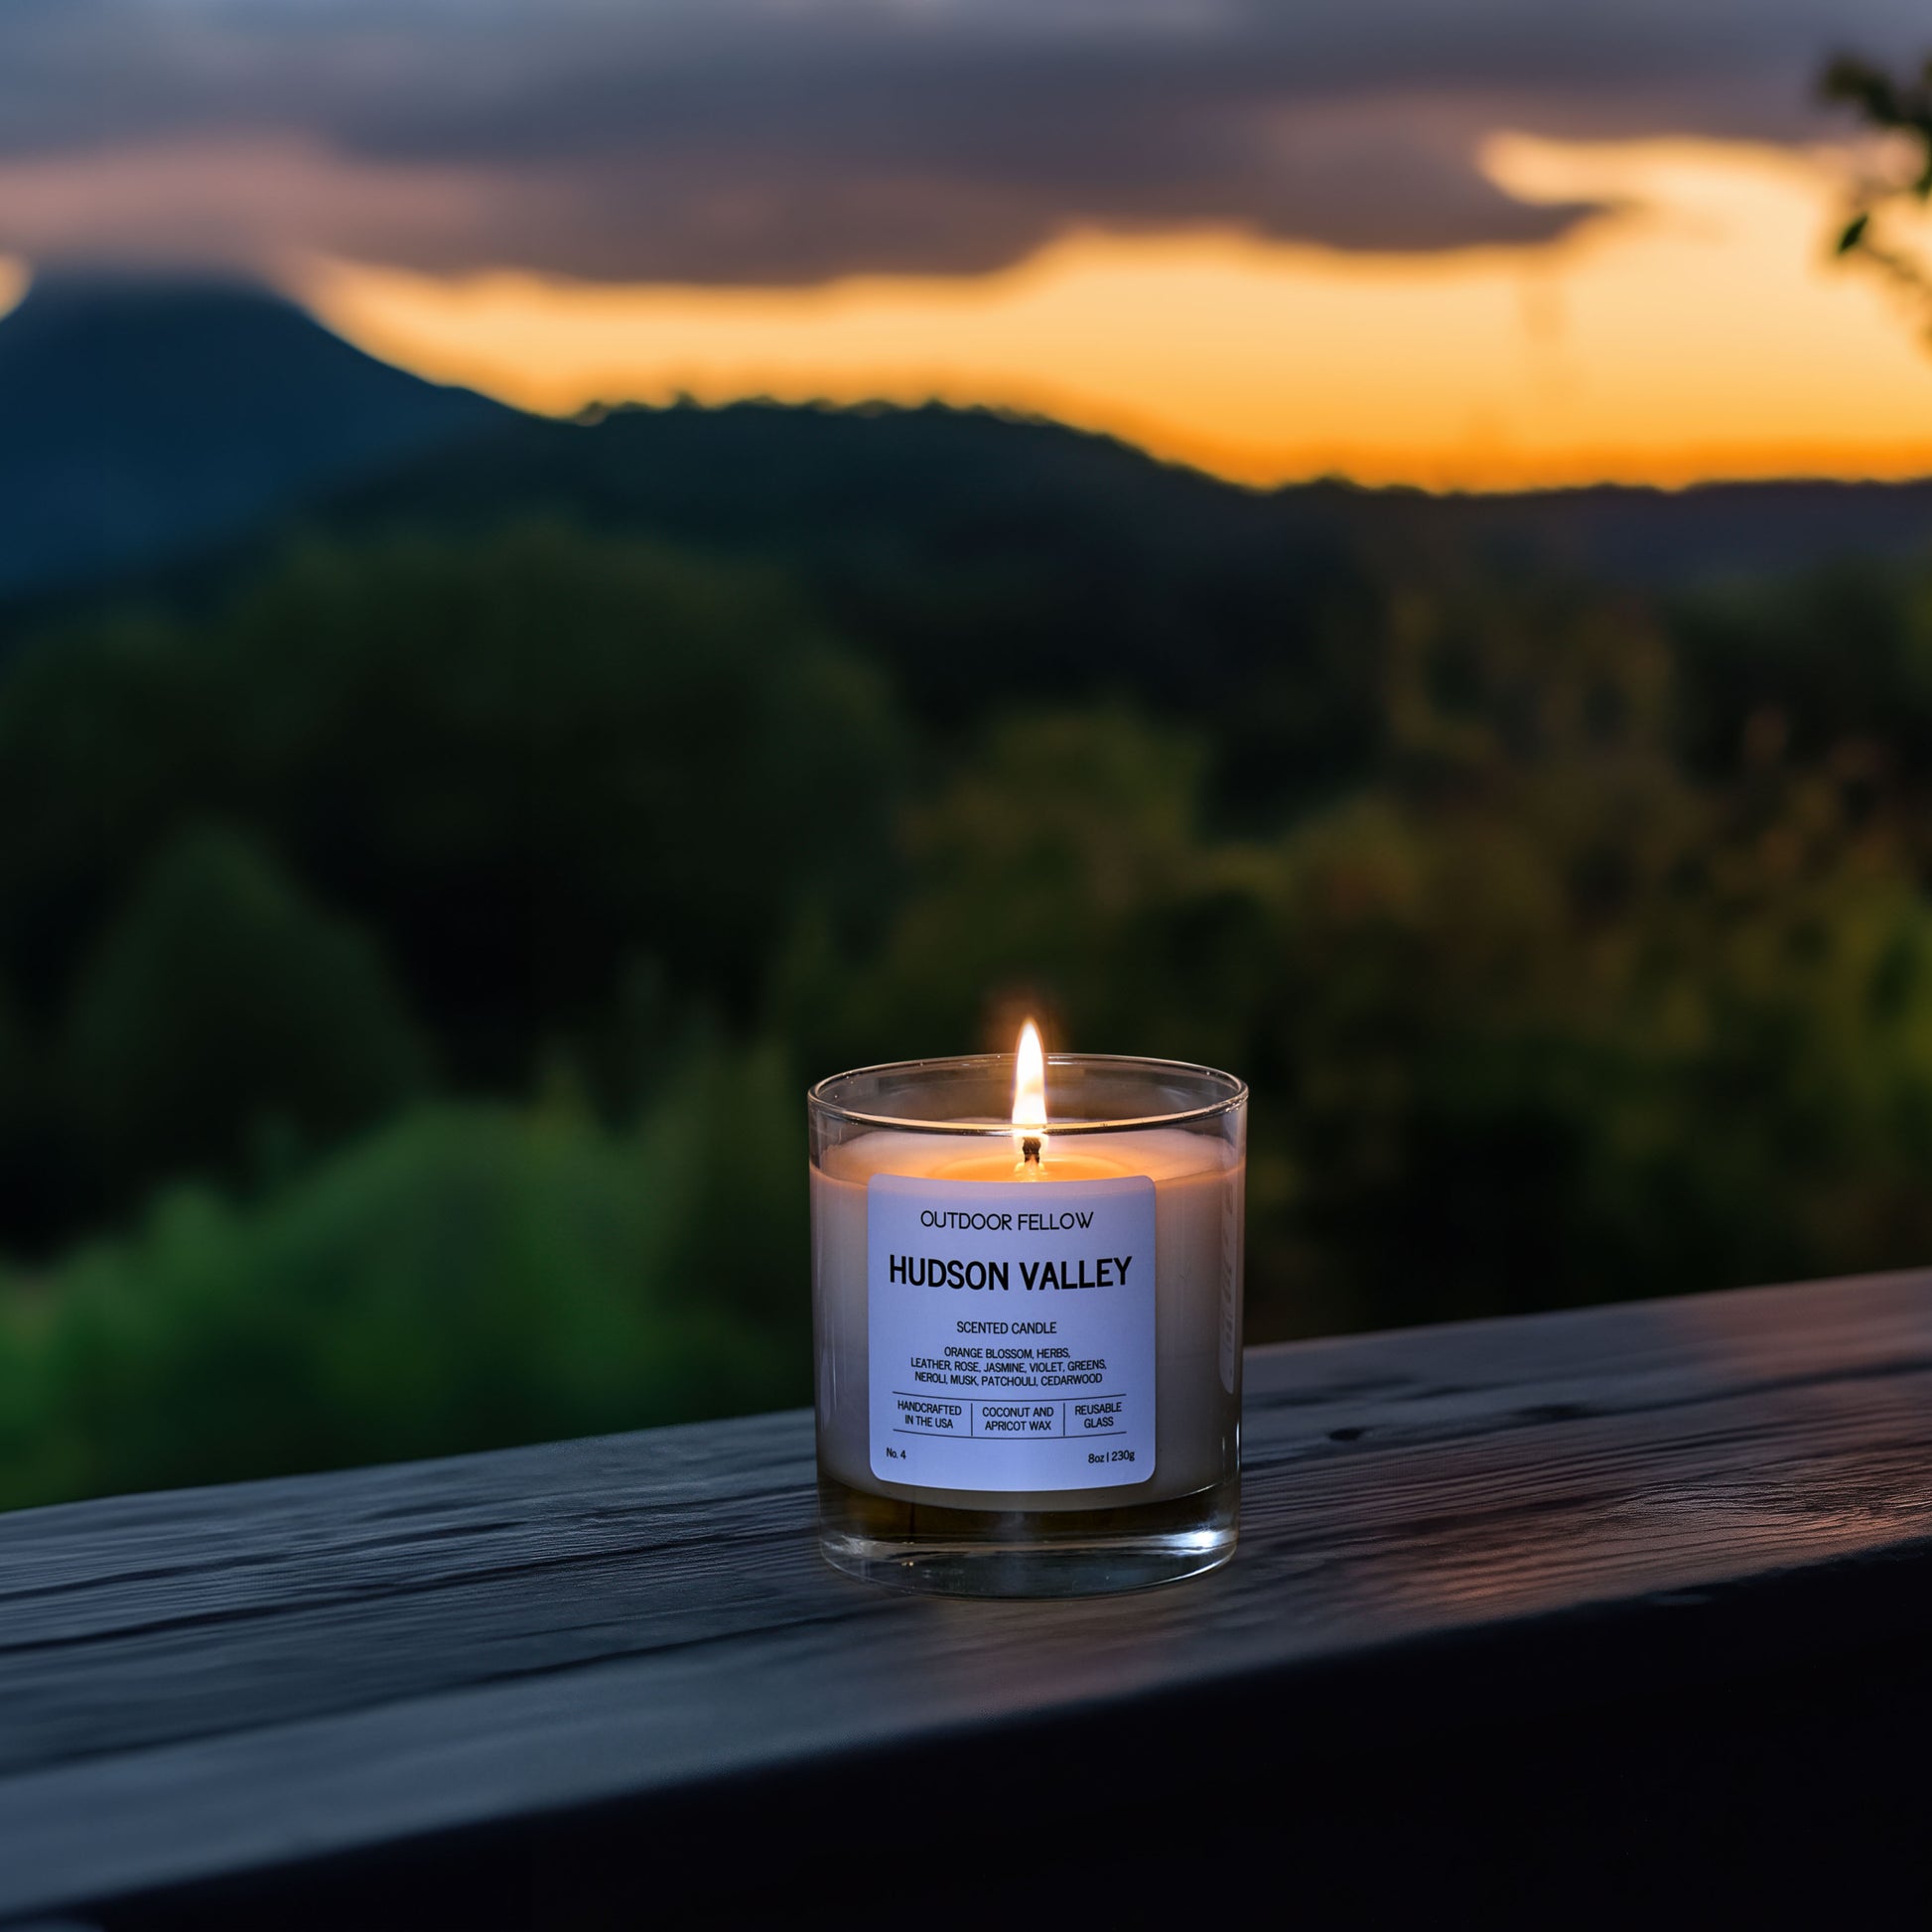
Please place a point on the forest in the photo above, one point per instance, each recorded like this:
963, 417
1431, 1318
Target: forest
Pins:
418, 927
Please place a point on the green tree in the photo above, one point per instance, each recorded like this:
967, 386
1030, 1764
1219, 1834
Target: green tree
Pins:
226, 1016
528, 765
1063, 870
465, 1278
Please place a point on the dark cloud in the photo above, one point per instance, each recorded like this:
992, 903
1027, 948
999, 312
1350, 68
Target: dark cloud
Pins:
766, 141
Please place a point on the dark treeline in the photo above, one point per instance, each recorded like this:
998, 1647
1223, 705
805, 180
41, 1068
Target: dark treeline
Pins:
412, 954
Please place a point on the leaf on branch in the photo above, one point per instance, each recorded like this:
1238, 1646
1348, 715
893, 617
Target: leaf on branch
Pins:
1866, 86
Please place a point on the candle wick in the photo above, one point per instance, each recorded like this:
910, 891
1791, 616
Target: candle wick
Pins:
1029, 1151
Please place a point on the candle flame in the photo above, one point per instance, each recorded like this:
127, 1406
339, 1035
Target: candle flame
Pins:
1030, 1097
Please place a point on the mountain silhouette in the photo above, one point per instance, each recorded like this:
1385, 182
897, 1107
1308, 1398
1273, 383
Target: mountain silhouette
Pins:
140, 419
146, 426
892, 485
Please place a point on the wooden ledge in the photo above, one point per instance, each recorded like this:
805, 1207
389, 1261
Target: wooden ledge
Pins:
1498, 1582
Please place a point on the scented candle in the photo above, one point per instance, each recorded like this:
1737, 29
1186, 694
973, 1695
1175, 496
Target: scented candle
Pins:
1028, 1320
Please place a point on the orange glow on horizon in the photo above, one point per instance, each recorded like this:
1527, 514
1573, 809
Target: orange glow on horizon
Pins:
1694, 329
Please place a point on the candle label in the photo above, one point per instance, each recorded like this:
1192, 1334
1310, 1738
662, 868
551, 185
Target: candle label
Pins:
1011, 1327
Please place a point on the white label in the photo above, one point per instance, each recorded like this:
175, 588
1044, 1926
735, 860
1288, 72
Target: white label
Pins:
1012, 1332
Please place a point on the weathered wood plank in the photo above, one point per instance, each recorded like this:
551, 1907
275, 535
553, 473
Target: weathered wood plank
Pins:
216, 1680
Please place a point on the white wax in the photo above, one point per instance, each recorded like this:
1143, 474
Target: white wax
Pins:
1198, 1221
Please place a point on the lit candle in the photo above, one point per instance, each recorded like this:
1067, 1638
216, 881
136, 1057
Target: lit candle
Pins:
1028, 1324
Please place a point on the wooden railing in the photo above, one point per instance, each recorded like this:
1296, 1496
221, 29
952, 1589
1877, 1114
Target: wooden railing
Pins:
1529, 1618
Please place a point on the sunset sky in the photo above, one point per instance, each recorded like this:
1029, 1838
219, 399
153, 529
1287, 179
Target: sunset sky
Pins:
1479, 244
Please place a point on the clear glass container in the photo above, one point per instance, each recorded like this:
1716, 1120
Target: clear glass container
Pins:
1028, 1341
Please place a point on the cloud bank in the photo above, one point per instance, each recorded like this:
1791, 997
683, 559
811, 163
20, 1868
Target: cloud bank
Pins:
790, 142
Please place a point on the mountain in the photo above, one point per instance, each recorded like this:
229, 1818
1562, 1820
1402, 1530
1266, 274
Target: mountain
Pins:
140, 419
1628, 535
146, 428
886, 482
979, 544
1000, 545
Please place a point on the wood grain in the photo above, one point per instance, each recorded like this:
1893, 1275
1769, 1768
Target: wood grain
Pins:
226, 1680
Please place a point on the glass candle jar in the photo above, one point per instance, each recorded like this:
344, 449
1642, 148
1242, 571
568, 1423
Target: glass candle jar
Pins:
1028, 1323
